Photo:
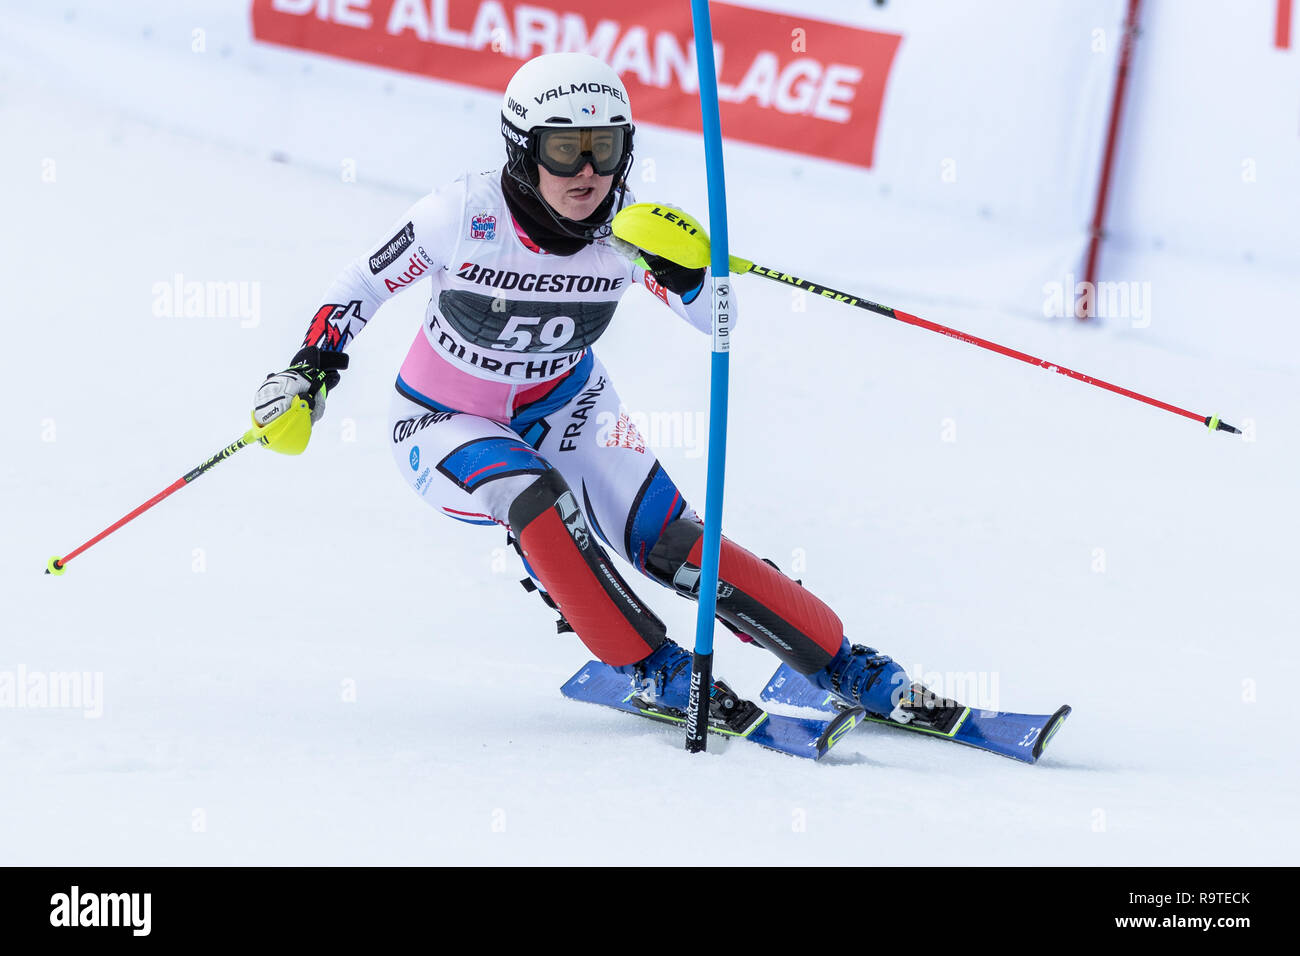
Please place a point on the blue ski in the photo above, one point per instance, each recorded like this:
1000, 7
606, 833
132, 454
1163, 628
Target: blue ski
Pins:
810, 737
1018, 736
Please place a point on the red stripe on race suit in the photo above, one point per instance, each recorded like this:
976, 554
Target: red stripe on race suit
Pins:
534, 393
470, 514
471, 477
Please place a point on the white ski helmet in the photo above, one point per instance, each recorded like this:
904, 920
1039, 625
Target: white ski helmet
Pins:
566, 91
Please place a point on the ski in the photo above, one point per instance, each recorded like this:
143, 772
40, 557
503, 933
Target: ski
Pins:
729, 715
1018, 736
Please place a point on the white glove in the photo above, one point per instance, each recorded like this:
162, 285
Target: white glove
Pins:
624, 248
276, 394
312, 374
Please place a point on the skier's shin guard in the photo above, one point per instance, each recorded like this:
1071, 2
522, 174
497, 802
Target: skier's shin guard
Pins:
753, 597
559, 547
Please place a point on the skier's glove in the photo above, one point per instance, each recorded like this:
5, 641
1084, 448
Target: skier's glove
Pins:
311, 374
661, 227
625, 249
685, 282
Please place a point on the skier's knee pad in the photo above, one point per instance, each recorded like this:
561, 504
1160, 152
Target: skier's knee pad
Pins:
558, 546
753, 597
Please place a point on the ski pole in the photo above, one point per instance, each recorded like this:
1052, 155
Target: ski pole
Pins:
288, 433
745, 267
701, 686
57, 564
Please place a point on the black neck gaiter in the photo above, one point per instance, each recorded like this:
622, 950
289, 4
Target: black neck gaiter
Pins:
536, 221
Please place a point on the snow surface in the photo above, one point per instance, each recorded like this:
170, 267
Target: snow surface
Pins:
231, 623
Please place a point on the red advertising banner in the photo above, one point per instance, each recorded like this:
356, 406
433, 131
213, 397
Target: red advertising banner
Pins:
789, 82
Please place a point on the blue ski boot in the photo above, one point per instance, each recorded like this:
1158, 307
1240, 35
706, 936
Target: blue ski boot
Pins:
861, 676
664, 678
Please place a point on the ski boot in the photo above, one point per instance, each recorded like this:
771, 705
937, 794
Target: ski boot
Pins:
664, 680
863, 677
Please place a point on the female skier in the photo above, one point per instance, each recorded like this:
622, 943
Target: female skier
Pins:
494, 417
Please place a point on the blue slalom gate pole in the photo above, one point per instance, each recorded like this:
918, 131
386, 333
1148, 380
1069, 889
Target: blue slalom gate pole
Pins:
697, 727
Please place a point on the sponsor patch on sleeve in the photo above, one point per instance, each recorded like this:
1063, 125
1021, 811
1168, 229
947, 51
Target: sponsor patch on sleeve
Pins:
392, 249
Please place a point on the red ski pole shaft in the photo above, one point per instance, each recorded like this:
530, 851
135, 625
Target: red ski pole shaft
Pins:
57, 564
1212, 421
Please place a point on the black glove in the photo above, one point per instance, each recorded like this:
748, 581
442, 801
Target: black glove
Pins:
673, 277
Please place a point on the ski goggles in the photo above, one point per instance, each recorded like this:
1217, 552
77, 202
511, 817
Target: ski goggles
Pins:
564, 152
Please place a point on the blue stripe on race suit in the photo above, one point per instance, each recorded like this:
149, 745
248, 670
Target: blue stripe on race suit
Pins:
469, 520
469, 517
656, 504
421, 399
486, 459
565, 390
591, 514
535, 433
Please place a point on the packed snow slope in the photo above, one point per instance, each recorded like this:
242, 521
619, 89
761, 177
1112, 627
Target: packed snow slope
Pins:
301, 662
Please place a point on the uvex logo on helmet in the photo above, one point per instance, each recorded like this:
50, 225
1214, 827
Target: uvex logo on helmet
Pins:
556, 92
512, 134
